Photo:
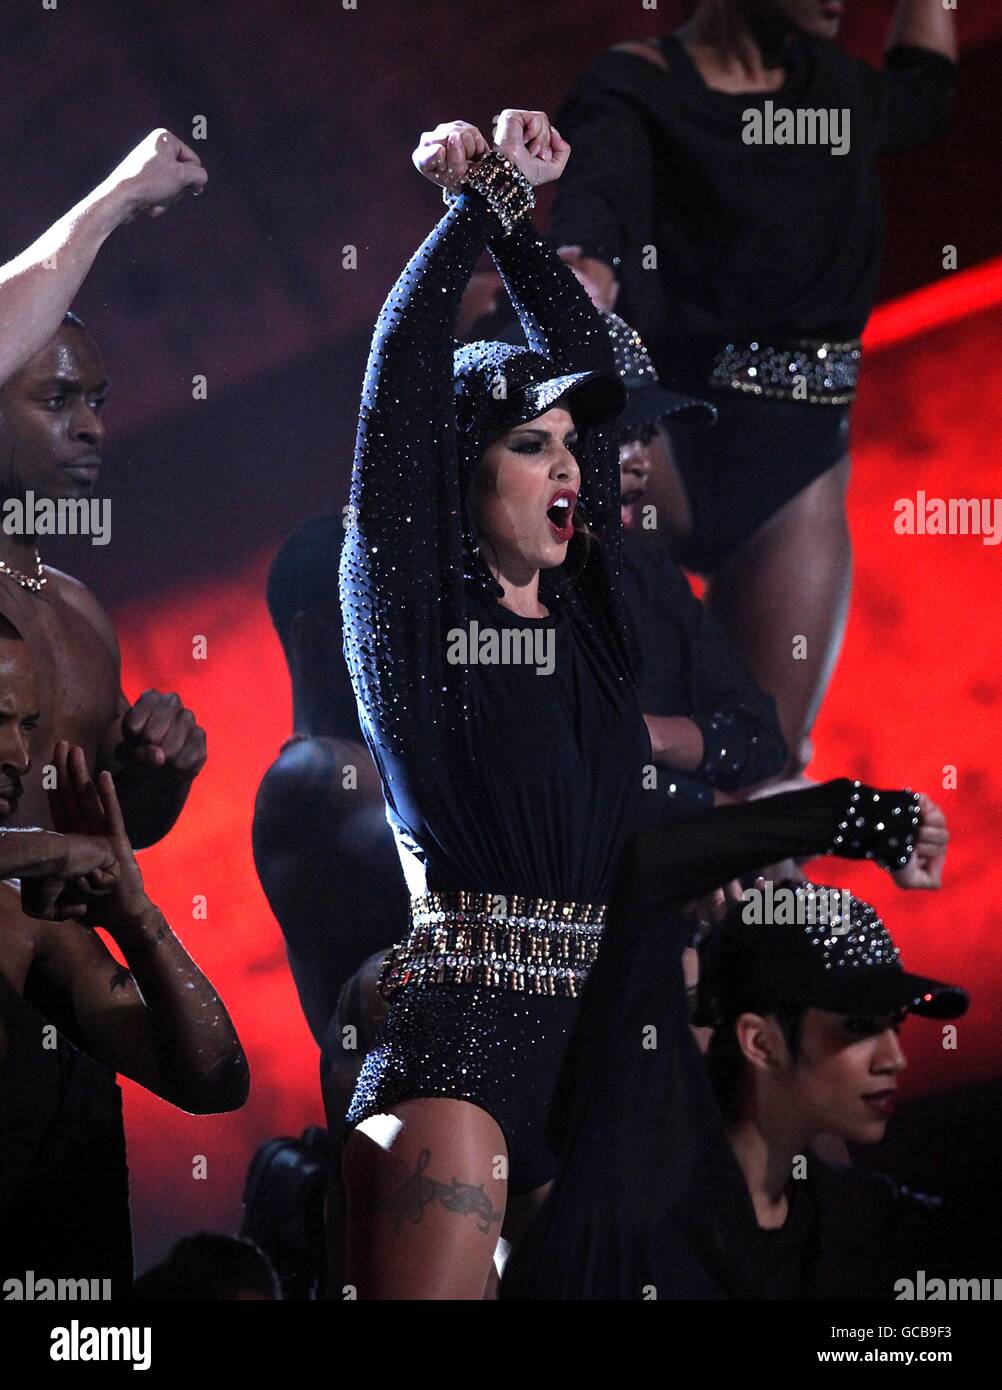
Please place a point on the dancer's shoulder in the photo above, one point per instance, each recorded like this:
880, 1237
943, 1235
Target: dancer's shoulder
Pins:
648, 49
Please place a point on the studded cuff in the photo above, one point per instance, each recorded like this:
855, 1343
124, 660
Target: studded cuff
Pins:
878, 825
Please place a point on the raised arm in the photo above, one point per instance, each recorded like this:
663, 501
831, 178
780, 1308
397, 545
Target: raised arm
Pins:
38, 286
402, 584
911, 97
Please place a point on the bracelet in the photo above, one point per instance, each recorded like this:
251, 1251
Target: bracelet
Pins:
878, 825
505, 189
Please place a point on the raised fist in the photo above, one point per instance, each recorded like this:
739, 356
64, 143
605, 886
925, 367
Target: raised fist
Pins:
157, 173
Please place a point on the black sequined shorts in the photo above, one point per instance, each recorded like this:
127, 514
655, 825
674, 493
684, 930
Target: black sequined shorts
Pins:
498, 1049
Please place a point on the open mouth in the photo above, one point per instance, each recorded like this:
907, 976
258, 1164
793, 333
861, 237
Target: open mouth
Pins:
630, 496
560, 514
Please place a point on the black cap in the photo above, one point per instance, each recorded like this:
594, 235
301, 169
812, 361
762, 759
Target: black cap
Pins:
647, 401
834, 954
499, 385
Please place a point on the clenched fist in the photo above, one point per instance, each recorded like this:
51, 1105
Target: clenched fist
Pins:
159, 732
158, 172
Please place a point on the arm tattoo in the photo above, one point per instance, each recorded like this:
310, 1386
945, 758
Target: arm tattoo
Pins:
120, 978
408, 1201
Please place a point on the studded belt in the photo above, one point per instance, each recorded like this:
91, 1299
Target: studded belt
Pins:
813, 371
493, 941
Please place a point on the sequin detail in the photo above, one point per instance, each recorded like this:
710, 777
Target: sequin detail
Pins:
825, 373
460, 938
497, 1050
878, 825
859, 939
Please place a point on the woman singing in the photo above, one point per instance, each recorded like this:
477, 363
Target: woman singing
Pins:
479, 582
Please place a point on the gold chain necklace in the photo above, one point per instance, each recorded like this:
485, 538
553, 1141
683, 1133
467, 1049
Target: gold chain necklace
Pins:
35, 582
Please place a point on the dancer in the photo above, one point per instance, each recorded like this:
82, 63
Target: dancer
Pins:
52, 390
688, 1200
512, 786
63, 1177
748, 266
324, 854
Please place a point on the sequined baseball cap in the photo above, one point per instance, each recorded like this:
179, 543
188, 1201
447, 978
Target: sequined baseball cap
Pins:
500, 385
825, 958
647, 401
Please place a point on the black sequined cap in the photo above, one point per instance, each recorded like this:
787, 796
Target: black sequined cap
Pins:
647, 400
498, 386
802, 944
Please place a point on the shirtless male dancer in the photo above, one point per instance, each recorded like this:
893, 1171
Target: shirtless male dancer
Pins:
52, 390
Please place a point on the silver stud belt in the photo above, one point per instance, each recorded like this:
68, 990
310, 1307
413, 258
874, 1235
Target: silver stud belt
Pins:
496, 941
816, 372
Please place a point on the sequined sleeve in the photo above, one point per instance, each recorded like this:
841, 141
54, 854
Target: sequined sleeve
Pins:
402, 563
666, 866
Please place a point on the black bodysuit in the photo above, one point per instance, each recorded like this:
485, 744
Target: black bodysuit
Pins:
498, 778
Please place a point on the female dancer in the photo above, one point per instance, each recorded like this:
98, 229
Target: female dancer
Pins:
513, 769
747, 262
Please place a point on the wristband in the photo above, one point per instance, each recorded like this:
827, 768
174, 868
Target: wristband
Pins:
505, 189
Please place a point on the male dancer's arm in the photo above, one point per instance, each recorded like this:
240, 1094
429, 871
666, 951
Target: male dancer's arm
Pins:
159, 1022
38, 286
154, 748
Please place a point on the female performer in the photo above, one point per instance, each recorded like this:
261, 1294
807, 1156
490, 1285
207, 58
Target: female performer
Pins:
483, 635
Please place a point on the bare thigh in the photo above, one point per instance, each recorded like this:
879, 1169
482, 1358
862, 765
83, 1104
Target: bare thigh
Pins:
783, 598
426, 1193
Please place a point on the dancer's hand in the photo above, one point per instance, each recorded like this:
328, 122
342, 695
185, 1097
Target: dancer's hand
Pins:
534, 146
156, 174
158, 731
447, 154
707, 911
88, 870
79, 807
925, 867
